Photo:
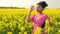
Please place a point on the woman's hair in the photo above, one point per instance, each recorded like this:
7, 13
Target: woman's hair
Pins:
43, 4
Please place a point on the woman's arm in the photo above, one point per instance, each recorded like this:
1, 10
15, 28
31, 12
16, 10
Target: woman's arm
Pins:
50, 21
51, 24
28, 19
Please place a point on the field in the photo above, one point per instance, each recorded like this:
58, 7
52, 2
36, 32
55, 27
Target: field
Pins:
12, 21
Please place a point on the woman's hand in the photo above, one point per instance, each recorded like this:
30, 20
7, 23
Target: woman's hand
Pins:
32, 8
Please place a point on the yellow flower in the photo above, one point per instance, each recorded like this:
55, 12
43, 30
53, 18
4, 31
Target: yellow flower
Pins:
25, 32
58, 30
19, 26
22, 28
38, 31
9, 32
20, 32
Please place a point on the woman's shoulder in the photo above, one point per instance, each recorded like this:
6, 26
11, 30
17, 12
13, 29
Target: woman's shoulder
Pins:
45, 14
39, 14
35, 14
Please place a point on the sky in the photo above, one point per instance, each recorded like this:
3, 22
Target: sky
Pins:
28, 3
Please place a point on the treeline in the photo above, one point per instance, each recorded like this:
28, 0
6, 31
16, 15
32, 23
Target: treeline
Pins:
12, 8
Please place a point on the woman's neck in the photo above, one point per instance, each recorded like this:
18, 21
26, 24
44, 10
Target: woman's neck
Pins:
40, 13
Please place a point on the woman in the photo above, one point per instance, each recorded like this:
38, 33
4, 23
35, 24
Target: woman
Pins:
39, 19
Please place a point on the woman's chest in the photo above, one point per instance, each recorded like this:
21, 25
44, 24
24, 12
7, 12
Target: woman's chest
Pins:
39, 17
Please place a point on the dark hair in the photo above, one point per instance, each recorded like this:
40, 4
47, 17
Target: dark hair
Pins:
43, 4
